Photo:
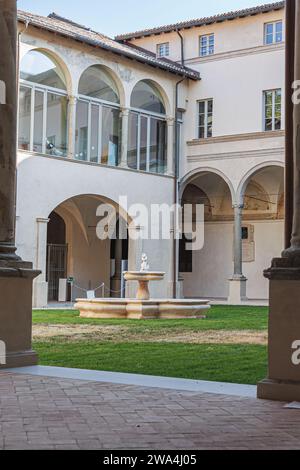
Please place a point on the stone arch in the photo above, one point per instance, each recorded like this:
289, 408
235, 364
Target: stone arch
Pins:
58, 60
194, 174
159, 89
112, 74
250, 174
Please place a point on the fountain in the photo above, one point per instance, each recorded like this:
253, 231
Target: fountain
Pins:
142, 307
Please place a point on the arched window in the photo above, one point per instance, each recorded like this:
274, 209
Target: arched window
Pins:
98, 121
43, 105
147, 139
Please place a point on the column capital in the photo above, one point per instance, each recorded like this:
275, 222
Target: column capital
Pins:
72, 99
170, 120
42, 220
125, 111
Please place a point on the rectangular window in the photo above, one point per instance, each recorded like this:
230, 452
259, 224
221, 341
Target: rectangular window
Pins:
81, 142
24, 118
56, 125
205, 124
111, 136
38, 121
207, 45
158, 146
163, 50
147, 143
132, 152
272, 110
273, 32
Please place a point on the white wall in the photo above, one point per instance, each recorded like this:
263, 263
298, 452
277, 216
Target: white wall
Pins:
213, 266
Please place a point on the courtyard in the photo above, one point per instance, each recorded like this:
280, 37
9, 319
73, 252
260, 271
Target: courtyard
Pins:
229, 345
55, 413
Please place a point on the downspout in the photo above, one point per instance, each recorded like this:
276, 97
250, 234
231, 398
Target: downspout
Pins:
182, 46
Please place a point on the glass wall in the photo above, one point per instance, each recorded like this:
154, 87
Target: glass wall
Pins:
43, 106
98, 123
147, 136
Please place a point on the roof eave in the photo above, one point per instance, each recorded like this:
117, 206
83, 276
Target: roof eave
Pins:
189, 75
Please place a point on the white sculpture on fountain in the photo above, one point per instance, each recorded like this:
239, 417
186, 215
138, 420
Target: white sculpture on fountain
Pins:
145, 267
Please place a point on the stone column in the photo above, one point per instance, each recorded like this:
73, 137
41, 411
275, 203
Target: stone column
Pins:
40, 288
170, 146
289, 123
124, 144
71, 125
283, 381
237, 284
8, 128
16, 276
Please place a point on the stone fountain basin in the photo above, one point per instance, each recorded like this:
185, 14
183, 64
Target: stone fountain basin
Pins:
164, 309
143, 276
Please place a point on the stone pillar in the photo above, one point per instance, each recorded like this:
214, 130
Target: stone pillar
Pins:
40, 287
124, 145
16, 276
289, 123
71, 125
170, 146
283, 381
237, 284
8, 129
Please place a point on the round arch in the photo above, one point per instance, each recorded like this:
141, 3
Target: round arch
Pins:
156, 87
251, 173
102, 200
57, 60
194, 174
111, 75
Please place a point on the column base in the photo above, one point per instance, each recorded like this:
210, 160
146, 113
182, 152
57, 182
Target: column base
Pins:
16, 279
237, 290
20, 359
278, 390
283, 381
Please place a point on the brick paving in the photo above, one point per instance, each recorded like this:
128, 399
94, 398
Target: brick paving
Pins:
50, 413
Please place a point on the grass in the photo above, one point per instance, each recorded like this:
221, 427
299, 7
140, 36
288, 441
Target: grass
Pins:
218, 318
235, 363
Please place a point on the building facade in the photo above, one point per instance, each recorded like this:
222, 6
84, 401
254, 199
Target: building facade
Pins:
101, 118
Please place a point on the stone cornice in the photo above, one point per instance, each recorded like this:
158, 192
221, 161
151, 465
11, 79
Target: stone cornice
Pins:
236, 137
257, 153
238, 53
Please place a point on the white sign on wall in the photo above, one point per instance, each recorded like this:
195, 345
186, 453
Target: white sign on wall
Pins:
2, 92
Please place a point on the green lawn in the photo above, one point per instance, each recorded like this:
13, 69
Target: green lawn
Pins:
220, 317
239, 363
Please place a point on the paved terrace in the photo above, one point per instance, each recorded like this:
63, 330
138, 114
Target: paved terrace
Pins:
39, 412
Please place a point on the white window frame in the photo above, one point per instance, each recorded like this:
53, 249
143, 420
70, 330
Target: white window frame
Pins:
148, 116
273, 91
163, 49
206, 101
207, 36
273, 23
45, 90
101, 104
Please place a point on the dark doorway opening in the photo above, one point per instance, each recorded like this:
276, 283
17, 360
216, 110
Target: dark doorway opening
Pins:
57, 254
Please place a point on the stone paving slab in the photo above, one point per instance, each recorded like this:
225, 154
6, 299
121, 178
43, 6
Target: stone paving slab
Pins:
55, 413
187, 385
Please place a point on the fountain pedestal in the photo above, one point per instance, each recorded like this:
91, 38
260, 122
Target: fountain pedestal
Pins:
143, 279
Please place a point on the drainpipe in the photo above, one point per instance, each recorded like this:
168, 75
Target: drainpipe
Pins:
176, 192
182, 46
